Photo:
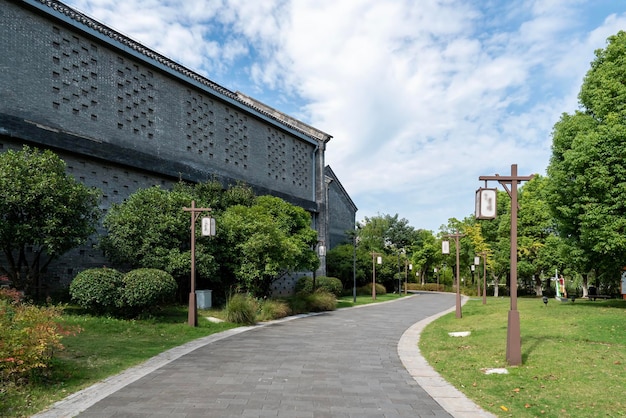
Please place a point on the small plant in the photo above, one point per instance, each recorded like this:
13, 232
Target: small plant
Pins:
97, 289
321, 301
241, 309
273, 309
28, 337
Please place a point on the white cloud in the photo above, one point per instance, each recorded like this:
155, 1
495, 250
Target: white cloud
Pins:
421, 97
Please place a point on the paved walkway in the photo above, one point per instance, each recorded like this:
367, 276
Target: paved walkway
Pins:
358, 362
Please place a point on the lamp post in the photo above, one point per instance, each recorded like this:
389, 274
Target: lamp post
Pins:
513, 340
477, 258
406, 275
456, 237
376, 259
208, 229
354, 270
472, 268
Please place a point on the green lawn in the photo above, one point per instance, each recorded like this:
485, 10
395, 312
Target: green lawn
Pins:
573, 357
348, 301
104, 347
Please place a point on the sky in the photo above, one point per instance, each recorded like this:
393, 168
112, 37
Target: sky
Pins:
421, 97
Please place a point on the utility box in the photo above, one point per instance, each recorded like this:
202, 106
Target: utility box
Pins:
203, 299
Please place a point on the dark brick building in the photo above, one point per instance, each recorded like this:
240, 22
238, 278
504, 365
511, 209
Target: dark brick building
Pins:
124, 117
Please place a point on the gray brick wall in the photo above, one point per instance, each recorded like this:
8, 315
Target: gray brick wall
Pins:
56, 76
124, 118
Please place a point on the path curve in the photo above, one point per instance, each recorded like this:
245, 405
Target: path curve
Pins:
356, 362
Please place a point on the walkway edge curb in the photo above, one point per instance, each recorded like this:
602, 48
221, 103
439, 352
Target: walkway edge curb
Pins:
450, 398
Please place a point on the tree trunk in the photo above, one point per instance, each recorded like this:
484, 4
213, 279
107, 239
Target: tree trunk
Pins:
585, 285
538, 288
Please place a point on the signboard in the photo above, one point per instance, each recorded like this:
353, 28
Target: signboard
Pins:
486, 207
445, 247
208, 227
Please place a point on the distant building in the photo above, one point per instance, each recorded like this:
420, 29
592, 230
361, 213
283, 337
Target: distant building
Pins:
124, 117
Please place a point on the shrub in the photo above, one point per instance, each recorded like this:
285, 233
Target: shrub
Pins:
367, 290
319, 301
28, 336
273, 309
329, 284
145, 288
241, 309
98, 289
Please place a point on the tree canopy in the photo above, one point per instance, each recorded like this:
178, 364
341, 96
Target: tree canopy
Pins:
269, 239
587, 188
44, 212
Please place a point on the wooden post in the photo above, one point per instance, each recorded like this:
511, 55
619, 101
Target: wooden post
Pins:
193, 306
513, 339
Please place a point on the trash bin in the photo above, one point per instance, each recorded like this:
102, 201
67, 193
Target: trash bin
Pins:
203, 299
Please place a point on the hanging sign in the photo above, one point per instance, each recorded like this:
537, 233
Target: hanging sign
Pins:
208, 227
486, 203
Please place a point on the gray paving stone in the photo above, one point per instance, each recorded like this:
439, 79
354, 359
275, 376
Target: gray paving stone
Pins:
359, 362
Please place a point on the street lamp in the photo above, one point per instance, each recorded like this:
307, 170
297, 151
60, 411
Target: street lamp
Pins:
354, 269
514, 339
376, 259
208, 229
456, 237
406, 277
472, 267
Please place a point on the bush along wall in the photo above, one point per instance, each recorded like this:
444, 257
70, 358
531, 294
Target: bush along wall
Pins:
108, 291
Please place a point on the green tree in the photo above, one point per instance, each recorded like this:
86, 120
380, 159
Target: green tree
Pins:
340, 262
587, 169
151, 230
44, 212
386, 232
269, 240
536, 230
426, 254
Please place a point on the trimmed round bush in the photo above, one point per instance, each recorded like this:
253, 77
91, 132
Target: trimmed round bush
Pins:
146, 287
97, 289
330, 284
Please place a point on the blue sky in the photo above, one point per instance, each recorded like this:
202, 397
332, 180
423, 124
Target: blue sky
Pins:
421, 97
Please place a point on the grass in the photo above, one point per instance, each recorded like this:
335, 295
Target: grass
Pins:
573, 357
348, 301
106, 346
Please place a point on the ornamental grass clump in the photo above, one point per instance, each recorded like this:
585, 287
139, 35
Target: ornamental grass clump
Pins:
241, 309
273, 309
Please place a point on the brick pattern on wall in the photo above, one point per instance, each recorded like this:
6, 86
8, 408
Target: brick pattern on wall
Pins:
74, 75
135, 99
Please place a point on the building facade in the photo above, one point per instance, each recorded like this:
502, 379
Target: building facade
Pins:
124, 117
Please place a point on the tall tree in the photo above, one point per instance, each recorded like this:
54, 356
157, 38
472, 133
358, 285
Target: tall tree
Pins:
386, 232
44, 212
588, 164
271, 238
